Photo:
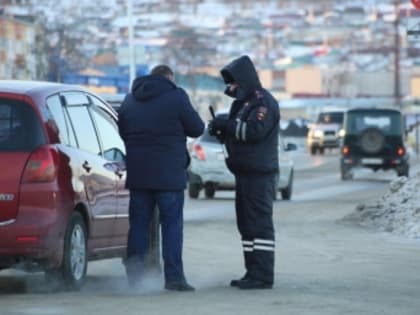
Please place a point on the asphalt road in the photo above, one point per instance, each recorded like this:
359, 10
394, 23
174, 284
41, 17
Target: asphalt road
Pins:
324, 265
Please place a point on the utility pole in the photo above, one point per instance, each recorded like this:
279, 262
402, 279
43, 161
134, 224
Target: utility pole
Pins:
132, 65
397, 86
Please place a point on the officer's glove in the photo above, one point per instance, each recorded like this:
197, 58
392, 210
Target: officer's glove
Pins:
217, 127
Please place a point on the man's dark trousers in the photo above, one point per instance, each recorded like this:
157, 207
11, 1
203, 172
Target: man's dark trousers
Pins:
142, 205
254, 216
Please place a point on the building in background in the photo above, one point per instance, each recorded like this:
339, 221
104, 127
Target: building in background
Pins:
18, 47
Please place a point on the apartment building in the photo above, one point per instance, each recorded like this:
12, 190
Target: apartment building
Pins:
17, 42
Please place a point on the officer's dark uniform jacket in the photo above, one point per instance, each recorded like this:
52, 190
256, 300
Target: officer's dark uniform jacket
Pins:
252, 132
156, 152
251, 138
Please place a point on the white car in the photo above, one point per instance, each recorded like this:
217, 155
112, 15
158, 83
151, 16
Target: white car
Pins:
208, 169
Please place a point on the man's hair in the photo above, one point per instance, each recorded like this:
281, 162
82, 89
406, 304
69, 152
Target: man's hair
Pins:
163, 70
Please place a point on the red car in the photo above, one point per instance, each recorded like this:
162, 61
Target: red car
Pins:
62, 195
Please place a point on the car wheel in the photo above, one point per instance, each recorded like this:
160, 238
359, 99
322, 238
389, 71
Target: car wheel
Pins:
346, 173
321, 150
403, 171
72, 273
209, 191
313, 150
193, 190
286, 193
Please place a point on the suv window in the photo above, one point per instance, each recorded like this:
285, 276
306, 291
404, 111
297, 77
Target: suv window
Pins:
330, 118
390, 123
20, 128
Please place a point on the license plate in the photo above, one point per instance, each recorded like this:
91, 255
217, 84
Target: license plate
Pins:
372, 161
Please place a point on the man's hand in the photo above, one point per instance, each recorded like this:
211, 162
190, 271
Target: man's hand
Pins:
217, 127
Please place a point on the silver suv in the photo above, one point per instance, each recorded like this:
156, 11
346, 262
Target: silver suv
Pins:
208, 169
325, 133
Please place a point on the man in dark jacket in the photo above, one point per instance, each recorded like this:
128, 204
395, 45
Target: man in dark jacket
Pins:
251, 137
154, 121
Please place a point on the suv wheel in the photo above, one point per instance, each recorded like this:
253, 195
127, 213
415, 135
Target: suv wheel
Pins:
286, 193
193, 190
209, 191
346, 173
403, 171
72, 273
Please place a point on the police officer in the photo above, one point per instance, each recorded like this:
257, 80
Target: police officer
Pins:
251, 137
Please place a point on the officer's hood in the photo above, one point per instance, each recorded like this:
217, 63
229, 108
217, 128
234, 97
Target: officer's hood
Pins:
151, 86
242, 71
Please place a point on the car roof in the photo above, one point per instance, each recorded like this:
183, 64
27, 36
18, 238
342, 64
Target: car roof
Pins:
34, 87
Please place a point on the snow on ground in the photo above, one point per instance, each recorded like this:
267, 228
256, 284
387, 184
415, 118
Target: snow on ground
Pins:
397, 211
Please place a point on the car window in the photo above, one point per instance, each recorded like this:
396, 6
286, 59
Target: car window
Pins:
57, 110
84, 129
112, 146
389, 123
330, 118
206, 137
20, 128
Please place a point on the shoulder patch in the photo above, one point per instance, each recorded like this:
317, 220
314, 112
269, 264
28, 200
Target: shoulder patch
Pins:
261, 112
259, 95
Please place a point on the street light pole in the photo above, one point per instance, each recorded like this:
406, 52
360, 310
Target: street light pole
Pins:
132, 65
397, 87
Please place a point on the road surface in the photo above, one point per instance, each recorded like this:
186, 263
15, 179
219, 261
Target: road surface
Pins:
324, 265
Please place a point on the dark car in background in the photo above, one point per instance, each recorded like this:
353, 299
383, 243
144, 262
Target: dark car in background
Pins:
62, 196
374, 139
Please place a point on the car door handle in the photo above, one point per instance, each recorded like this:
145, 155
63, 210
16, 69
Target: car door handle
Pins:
86, 166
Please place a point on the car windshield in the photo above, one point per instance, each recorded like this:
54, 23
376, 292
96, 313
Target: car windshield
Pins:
20, 129
330, 118
390, 123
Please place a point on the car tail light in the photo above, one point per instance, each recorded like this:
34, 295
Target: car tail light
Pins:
345, 150
198, 149
400, 151
41, 166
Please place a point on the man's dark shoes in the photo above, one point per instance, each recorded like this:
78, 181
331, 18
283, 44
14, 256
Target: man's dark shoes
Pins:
236, 282
179, 286
250, 284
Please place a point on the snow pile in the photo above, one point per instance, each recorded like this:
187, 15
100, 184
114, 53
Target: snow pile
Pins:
397, 211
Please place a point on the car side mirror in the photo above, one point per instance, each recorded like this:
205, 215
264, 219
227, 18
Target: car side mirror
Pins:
291, 147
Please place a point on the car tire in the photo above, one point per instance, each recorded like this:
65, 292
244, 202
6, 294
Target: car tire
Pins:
71, 274
193, 190
372, 140
313, 150
286, 193
403, 171
346, 173
321, 150
209, 191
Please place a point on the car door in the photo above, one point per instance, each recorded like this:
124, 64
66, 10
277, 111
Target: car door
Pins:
285, 164
99, 180
114, 152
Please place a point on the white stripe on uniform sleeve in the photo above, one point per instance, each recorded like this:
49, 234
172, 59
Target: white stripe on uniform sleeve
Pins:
243, 135
238, 130
262, 241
